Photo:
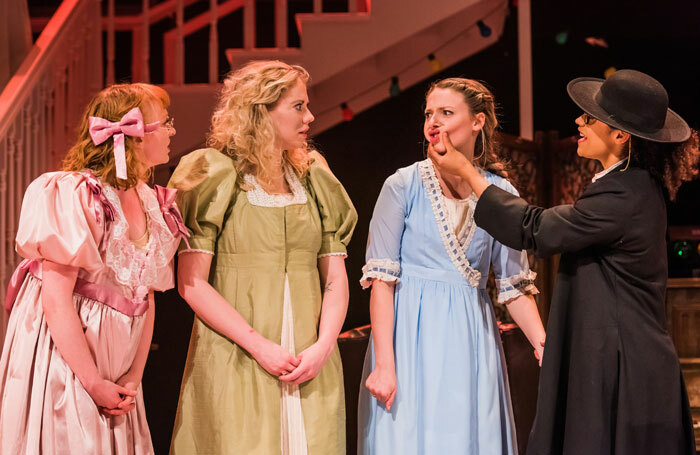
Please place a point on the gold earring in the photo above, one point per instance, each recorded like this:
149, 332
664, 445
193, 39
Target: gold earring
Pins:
483, 146
629, 155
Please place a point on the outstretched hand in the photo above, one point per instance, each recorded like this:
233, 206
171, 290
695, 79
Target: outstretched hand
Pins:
452, 161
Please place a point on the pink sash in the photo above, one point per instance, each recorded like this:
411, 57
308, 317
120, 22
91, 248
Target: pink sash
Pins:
82, 288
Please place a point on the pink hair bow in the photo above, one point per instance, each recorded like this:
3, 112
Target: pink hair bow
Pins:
171, 215
131, 124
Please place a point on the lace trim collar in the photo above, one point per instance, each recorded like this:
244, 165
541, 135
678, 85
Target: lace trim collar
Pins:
133, 267
258, 196
456, 248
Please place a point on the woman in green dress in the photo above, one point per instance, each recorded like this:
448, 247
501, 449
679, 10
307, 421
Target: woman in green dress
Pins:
264, 272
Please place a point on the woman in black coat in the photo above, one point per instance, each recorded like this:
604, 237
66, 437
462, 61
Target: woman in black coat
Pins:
610, 380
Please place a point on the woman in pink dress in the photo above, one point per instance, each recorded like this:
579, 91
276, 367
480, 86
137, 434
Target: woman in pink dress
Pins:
97, 241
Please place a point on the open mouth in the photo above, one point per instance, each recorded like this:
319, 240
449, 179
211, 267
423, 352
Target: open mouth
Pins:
434, 136
581, 138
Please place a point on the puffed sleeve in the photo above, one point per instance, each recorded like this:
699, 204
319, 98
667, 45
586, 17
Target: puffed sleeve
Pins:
510, 267
61, 221
206, 184
338, 215
386, 228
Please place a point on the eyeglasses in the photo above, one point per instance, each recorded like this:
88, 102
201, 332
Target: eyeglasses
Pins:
169, 123
587, 119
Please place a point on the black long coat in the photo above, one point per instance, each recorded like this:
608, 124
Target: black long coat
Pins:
610, 379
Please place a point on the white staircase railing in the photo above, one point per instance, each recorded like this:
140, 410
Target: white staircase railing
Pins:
39, 112
139, 26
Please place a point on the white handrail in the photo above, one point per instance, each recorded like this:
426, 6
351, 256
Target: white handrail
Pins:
39, 110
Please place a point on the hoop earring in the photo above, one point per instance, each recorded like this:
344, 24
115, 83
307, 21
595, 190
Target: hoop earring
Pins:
629, 155
483, 146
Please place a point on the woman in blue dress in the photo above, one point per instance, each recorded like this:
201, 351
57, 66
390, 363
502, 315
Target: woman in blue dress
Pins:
434, 373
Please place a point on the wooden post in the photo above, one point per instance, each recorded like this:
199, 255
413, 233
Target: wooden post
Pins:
145, 41
110, 43
249, 25
213, 43
180, 44
525, 70
281, 24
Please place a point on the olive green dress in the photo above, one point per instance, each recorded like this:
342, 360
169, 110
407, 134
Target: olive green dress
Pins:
265, 248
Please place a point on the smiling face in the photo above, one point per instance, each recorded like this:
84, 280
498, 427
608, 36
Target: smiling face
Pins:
446, 110
291, 117
155, 146
598, 141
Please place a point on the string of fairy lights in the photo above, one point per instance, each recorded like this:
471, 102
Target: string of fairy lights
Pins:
432, 61
561, 38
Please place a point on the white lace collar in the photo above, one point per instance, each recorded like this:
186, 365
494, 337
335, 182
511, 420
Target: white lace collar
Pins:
258, 196
137, 268
456, 247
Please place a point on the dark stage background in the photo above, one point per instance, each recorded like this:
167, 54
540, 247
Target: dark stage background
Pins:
659, 38
662, 40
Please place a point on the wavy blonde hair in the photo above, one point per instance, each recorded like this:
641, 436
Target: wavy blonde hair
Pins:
111, 104
480, 100
241, 124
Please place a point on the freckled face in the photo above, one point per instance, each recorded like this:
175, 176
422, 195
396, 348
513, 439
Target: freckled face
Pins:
291, 117
446, 110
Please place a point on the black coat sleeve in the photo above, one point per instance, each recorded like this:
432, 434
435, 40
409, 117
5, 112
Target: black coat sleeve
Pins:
596, 218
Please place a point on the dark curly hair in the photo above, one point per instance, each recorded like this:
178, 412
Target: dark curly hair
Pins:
670, 164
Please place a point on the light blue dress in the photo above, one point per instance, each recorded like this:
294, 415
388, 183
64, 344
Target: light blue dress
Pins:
452, 395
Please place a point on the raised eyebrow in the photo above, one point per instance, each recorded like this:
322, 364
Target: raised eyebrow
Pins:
440, 108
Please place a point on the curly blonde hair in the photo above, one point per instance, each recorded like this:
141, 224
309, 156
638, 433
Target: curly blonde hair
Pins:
241, 124
480, 100
111, 104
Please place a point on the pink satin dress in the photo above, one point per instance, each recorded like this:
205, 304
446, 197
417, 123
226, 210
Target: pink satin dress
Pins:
73, 219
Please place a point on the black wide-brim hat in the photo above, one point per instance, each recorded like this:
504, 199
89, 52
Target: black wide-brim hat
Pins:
630, 101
